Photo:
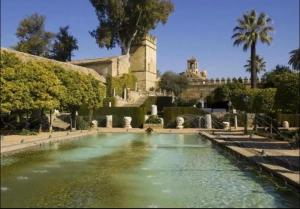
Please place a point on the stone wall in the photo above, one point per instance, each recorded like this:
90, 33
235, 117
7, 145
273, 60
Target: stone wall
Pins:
200, 89
110, 66
68, 66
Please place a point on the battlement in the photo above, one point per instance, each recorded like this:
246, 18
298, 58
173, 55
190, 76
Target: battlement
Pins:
219, 81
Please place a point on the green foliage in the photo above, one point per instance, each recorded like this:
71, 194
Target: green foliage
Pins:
272, 79
287, 96
118, 113
82, 123
109, 99
119, 83
173, 82
28, 86
36, 85
259, 65
124, 22
260, 100
295, 59
170, 114
251, 29
64, 45
33, 38
153, 119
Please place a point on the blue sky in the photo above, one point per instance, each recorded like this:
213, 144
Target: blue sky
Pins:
199, 28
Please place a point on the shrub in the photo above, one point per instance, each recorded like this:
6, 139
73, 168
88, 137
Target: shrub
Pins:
153, 119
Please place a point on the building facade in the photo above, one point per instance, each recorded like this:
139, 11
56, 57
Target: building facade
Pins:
142, 64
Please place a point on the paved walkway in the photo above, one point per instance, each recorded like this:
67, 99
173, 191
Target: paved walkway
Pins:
276, 157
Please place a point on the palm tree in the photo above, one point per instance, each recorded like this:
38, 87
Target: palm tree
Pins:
259, 65
295, 59
251, 29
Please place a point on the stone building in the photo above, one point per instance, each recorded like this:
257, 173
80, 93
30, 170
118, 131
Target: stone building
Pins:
200, 86
142, 64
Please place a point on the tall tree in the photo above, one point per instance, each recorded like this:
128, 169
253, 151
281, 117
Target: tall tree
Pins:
33, 38
64, 45
259, 65
123, 22
295, 59
173, 82
251, 29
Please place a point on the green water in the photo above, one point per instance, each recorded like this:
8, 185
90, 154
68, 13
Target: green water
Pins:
135, 170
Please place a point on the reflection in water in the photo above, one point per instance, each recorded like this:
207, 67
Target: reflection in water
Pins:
135, 170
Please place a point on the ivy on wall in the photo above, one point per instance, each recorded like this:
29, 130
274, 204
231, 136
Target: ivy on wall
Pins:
119, 83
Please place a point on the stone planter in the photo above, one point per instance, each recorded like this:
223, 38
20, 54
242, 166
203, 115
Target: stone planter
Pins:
127, 122
179, 122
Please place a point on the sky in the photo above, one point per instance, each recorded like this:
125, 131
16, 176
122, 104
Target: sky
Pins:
199, 28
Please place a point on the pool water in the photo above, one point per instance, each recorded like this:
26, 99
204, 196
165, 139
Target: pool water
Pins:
136, 170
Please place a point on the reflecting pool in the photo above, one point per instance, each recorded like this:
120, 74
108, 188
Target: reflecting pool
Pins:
136, 170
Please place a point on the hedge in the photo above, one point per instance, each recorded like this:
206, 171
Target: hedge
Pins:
118, 113
293, 119
189, 113
160, 101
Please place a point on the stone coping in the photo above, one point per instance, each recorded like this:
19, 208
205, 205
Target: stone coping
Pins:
292, 178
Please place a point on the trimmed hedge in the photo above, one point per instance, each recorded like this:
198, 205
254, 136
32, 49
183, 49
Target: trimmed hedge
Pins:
293, 119
160, 101
118, 113
170, 114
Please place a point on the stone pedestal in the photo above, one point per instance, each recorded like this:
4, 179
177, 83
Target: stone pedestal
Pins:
109, 121
208, 121
226, 125
235, 122
127, 122
286, 124
153, 110
94, 124
179, 122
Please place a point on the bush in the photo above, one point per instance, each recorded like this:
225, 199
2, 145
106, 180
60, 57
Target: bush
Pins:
119, 83
153, 119
82, 123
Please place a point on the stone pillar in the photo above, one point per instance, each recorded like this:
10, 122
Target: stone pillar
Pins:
114, 92
153, 110
127, 122
179, 122
202, 104
125, 94
109, 121
136, 86
235, 119
109, 104
200, 121
208, 121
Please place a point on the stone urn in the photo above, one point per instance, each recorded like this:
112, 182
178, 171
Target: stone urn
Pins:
226, 125
286, 124
109, 121
179, 122
94, 124
127, 122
